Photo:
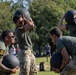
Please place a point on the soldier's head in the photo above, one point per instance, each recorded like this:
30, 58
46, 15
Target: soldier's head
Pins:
8, 37
20, 16
55, 33
70, 17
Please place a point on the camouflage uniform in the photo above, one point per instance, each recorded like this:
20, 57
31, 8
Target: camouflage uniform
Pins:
3, 51
27, 59
70, 69
27, 63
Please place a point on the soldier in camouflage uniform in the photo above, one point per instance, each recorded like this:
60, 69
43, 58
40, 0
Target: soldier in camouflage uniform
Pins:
66, 45
7, 39
27, 59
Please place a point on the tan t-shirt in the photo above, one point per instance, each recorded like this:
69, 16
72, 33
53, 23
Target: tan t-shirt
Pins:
3, 49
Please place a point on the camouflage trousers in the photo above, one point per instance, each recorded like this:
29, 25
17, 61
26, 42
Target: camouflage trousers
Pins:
70, 69
27, 63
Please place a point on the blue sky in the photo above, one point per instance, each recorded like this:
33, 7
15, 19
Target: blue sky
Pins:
25, 3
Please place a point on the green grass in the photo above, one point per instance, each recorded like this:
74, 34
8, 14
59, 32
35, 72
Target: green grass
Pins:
47, 71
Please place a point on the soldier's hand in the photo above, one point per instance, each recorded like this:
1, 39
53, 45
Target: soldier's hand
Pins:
29, 22
14, 70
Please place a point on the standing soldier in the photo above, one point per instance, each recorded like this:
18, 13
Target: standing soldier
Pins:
23, 25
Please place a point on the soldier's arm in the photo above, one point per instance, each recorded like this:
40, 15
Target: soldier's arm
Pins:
5, 69
2, 67
66, 58
61, 25
29, 25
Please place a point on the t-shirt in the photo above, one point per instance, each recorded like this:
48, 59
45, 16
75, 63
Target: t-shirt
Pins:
23, 39
47, 48
3, 49
69, 43
72, 29
12, 51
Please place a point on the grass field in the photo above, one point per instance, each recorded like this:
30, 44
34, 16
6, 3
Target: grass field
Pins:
47, 65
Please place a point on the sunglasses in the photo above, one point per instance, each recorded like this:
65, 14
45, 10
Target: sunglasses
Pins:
11, 36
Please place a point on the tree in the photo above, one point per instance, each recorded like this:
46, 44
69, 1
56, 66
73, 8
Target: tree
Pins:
46, 15
5, 17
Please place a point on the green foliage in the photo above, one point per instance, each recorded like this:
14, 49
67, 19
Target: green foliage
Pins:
45, 13
5, 17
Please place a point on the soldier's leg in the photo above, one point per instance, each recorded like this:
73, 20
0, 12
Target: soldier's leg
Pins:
70, 69
27, 62
25, 65
34, 70
24, 62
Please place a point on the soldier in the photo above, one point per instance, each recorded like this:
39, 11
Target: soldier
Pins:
26, 57
70, 25
47, 48
66, 45
7, 39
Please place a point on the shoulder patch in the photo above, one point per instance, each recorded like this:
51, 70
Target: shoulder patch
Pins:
1, 52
